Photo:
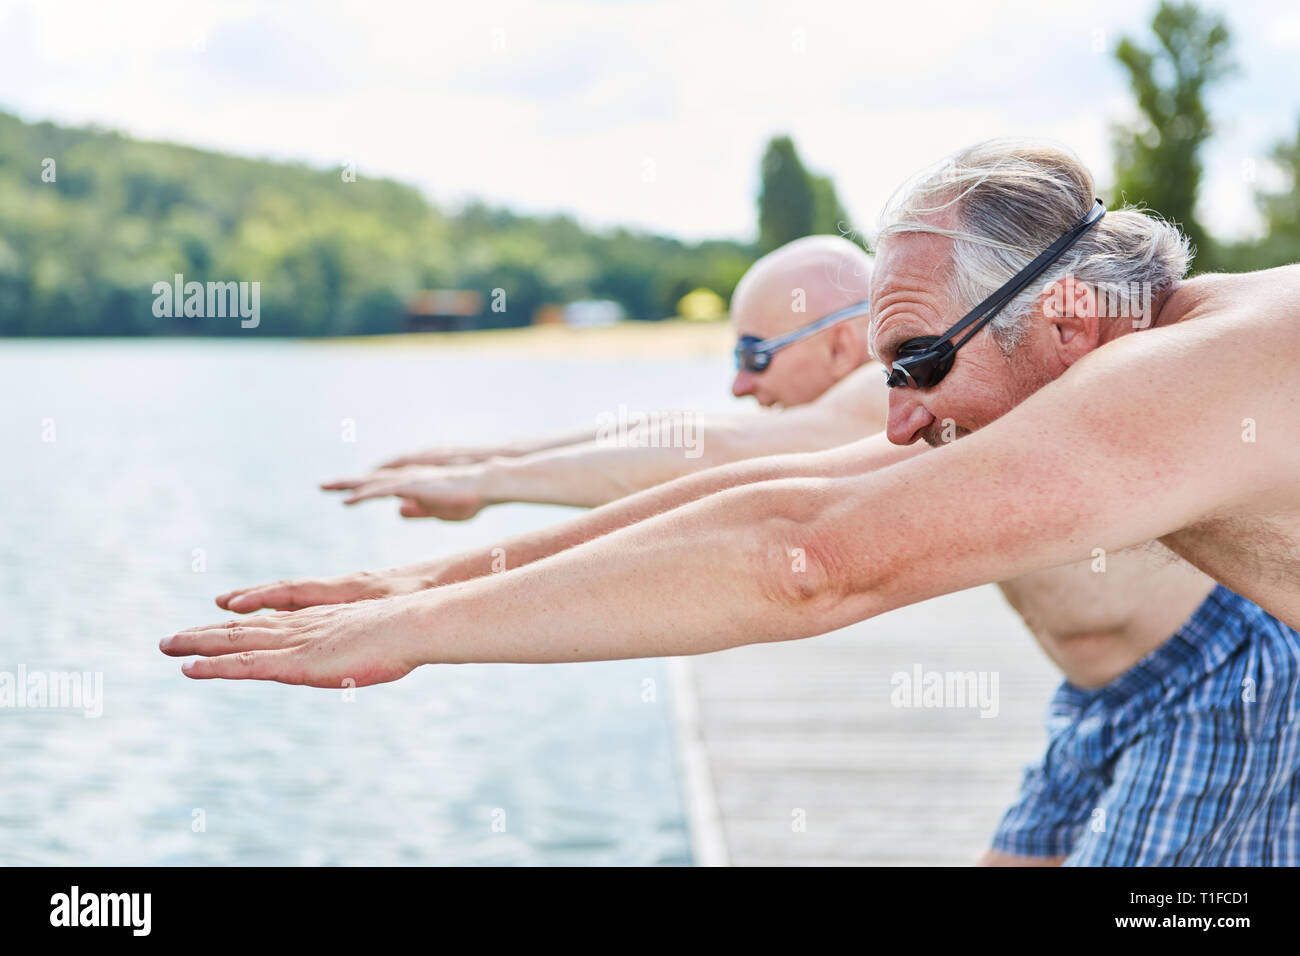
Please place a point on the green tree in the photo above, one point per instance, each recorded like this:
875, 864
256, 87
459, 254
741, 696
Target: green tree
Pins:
1282, 209
792, 201
1280, 245
1158, 160
785, 199
828, 215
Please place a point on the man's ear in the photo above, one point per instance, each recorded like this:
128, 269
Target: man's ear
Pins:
1070, 309
848, 350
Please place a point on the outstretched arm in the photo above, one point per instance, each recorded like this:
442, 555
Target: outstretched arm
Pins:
856, 458
618, 461
1113, 454
469, 454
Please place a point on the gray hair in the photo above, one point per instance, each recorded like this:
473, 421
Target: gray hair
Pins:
1013, 198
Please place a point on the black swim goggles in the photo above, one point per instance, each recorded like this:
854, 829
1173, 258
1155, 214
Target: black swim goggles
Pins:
755, 355
923, 361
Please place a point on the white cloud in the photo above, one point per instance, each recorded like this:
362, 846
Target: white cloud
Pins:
1284, 32
566, 105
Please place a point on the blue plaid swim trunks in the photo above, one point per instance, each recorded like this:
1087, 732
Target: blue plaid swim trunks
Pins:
1190, 758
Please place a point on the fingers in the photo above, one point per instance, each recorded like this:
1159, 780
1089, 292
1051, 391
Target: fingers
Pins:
243, 600
375, 489
294, 665
441, 456
343, 484
280, 665
254, 634
343, 646
301, 594
239, 594
347, 484
281, 596
278, 597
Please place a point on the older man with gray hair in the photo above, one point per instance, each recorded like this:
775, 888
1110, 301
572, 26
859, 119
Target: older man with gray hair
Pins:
1085, 442
1153, 756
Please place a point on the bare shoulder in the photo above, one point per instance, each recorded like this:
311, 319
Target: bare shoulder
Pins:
860, 393
1267, 301
1218, 335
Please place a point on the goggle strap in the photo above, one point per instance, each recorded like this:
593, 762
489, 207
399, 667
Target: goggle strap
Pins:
990, 307
848, 312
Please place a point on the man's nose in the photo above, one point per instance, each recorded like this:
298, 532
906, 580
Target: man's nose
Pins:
907, 416
743, 384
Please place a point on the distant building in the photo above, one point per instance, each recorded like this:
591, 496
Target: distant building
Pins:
442, 310
550, 314
586, 313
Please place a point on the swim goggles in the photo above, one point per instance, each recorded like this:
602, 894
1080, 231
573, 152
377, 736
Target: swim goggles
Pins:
755, 355
922, 362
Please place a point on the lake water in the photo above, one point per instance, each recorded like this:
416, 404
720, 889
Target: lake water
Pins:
142, 478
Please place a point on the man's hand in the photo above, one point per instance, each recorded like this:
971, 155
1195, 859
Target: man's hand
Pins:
310, 592
449, 493
446, 456
474, 454
348, 645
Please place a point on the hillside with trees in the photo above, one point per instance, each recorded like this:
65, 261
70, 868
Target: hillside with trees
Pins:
90, 220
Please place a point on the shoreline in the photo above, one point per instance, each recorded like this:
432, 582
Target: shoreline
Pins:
669, 338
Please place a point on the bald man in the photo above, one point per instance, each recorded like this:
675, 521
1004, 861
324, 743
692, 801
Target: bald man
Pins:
799, 315
817, 276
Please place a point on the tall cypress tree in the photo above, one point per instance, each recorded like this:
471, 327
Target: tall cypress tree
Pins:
785, 200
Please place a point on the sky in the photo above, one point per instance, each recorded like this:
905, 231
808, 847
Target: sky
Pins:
644, 113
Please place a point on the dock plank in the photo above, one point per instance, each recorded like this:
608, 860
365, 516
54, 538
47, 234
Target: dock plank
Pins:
809, 760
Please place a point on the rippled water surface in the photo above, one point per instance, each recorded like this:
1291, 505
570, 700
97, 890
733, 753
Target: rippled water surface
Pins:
139, 479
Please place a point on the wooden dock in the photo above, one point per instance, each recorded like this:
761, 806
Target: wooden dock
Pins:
799, 754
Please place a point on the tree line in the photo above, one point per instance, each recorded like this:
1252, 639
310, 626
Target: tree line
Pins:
91, 221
